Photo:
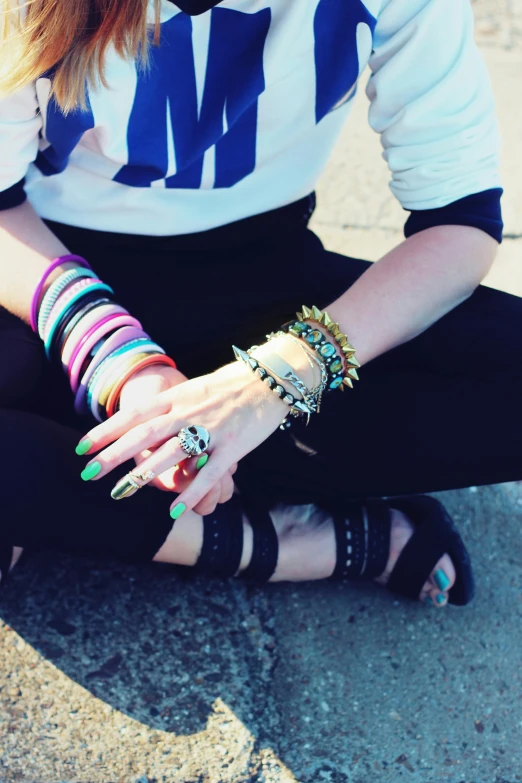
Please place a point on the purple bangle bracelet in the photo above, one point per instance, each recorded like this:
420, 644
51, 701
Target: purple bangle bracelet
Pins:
84, 328
35, 301
122, 336
107, 325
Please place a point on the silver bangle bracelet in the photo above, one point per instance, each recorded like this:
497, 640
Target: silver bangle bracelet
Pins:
313, 359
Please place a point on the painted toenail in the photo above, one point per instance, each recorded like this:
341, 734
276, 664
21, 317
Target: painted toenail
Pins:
428, 601
440, 599
441, 580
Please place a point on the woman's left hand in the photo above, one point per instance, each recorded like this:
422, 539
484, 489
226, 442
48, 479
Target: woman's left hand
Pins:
237, 409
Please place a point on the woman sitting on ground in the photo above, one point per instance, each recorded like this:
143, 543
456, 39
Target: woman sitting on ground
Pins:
157, 163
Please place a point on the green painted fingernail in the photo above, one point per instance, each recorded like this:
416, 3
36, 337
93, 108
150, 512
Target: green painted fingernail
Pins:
178, 510
202, 461
440, 599
83, 446
428, 601
91, 471
441, 580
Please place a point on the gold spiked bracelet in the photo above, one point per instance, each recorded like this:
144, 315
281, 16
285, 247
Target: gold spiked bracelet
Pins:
342, 368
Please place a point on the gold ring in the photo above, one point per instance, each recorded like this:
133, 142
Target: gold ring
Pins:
125, 488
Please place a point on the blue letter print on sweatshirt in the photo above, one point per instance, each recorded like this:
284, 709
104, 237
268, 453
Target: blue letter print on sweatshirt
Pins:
227, 118
63, 132
234, 81
336, 55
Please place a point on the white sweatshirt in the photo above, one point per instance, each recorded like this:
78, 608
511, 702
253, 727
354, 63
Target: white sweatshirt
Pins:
240, 111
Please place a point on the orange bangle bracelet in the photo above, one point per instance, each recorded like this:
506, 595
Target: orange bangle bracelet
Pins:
123, 366
155, 358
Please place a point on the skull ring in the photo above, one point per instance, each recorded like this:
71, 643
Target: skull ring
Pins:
194, 440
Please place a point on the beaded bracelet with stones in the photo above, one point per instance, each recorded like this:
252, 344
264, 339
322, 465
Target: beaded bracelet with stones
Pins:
340, 373
297, 407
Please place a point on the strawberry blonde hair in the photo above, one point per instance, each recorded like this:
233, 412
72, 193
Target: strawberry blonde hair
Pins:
71, 36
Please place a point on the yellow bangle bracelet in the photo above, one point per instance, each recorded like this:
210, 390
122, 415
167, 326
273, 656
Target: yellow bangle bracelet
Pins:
119, 370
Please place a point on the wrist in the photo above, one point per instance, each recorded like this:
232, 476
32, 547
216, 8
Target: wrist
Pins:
291, 352
157, 372
55, 274
149, 381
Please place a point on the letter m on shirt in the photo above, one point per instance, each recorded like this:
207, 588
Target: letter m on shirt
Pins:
226, 118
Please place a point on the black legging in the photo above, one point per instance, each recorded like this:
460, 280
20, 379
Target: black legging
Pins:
440, 412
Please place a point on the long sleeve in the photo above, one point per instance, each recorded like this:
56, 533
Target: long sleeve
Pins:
432, 103
20, 124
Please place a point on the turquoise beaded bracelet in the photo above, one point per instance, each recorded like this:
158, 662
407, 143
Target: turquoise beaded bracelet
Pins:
342, 369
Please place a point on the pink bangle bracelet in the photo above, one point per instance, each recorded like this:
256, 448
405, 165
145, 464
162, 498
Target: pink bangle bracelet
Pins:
97, 331
109, 324
35, 301
115, 341
83, 328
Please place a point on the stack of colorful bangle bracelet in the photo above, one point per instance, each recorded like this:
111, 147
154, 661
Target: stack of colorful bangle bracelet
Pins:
97, 342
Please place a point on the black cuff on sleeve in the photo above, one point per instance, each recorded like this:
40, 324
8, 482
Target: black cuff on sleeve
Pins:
13, 196
480, 210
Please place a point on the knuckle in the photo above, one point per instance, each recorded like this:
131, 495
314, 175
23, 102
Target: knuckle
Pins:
147, 431
107, 459
207, 503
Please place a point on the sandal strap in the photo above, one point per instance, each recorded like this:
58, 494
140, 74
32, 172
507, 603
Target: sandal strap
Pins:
362, 534
222, 540
265, 544
430, 540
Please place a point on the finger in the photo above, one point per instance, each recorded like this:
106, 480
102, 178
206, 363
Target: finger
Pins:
166, 481
185, 473
119, 424
205, 480
209, 502
190, 466
180, 479
159, 482
164, 458
233, 469
221, 493
144, 436
227, 488
193, 465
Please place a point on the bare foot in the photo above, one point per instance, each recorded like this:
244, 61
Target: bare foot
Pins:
307, 550
443, 576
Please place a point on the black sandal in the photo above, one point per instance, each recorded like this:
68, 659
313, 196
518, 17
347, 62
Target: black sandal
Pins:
223, 542
362, 532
